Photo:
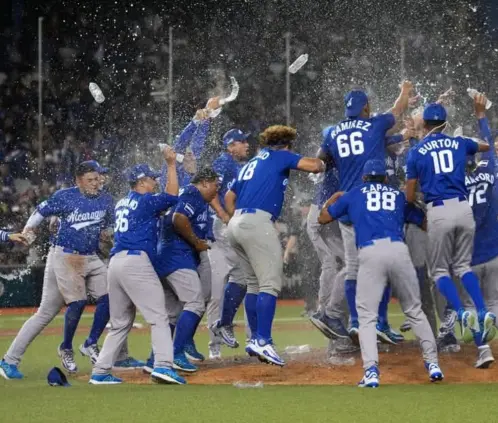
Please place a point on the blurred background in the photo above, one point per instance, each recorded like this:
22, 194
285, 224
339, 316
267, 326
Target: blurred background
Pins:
125, 46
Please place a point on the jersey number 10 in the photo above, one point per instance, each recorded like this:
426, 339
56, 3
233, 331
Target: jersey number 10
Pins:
443, 161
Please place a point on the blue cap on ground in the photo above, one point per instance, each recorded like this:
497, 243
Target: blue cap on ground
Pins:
95, 164
355, 101
374, 168
56, 377
434, 111
234, 135
142, 170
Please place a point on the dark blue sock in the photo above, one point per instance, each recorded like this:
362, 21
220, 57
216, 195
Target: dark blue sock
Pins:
150, 360
384, 303
350, 287
421, 275
172, 328
471, 285
250, 305
185, 329
266, 306
191, 340
100, 320
71, 320
448, 290
234, 294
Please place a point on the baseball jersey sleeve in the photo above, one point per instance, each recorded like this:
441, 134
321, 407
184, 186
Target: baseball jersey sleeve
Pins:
471, 146
384, 122
340, 207
485, 133
235, 186
290, 159
411, 165
183, 140
326, 140
159, 202
187, 205
56, 205
4, 236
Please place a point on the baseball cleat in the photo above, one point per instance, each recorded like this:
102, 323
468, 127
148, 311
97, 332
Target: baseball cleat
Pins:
489, 328
449, 321
167, 375
67, 359
9, 371
331, 328
484, 357
149, 365
91, 351
345, 346
214, 352
265, 351
129, 364
447, 343
405, 327
106, 379
181, 362
225, 333
468, 325
435, 373
354, 334
192, 353
370, 378
388, 336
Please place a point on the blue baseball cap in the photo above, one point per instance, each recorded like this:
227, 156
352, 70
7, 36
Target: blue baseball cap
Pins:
234, 135
374, 168
355, 101
434, 111
57, 378
142, 170
95, 165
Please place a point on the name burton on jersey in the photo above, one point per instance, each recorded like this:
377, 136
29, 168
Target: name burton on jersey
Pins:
351, 124
435, 144
481, 177
379, 187
75, 216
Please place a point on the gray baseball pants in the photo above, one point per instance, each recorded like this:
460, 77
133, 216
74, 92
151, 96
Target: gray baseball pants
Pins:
134, 284
377, 267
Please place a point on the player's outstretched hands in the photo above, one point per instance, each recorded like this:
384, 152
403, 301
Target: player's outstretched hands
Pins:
480, 105
169, 155
19, 238
409, 130
447, 97
406, 87
201, 245
201, 114
213, 103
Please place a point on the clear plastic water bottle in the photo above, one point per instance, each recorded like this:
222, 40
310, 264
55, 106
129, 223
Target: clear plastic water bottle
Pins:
473, 92
298, 63
179, 157
96, 92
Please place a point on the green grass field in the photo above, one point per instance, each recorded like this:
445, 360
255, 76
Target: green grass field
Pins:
32, 400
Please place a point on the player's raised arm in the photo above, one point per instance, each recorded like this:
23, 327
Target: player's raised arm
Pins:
172, 182
230, 198
219, 210
311, 165
325, 216
182, 226
401, 103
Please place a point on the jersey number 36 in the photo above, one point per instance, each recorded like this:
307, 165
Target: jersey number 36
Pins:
121, 224
350, 144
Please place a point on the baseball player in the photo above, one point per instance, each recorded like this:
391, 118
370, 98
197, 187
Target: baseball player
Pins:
378, 213
182, 251
13, 237
133, 282
72, 270
438, 164
255, 201
227, 166
349, 145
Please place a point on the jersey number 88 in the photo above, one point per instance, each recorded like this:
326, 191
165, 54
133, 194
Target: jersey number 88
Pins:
380, 200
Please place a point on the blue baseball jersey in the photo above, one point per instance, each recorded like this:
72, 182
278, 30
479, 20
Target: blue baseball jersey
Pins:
438, 162
377, 211
227, 169
480, 185
262, 182
353, 142
174, 252
137, 221
82, 218
328, 186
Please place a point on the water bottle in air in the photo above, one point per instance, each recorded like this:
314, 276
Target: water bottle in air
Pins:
179, 157
298, 63
473, 92
96, 92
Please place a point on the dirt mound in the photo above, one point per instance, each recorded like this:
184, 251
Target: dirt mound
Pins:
400, 365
